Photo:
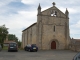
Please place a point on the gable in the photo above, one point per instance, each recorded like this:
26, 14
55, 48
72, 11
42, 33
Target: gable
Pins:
53, 10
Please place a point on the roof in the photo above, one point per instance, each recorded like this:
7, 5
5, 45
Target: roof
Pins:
75, 41
55, 8
30, 26
8, 41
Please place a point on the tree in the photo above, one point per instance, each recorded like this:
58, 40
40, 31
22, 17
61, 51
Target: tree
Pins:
3, 34
19, 44
12, 37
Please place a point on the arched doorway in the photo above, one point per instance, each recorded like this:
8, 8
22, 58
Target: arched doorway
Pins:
53, 45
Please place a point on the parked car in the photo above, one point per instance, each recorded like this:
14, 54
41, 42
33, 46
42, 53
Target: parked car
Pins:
0, 47
31, 47
77, 56
13, 46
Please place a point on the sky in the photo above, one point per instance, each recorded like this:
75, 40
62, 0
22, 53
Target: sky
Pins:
20, 14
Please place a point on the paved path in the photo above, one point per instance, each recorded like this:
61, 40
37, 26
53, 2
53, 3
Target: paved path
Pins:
40, 55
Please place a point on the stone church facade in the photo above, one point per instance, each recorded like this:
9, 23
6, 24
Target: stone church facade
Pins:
51, 31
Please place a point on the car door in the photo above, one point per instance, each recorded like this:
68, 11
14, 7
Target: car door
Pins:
77, 56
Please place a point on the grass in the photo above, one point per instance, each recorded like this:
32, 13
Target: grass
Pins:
20, 48
5, 47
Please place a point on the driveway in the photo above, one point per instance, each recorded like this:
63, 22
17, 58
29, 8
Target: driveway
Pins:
40, 55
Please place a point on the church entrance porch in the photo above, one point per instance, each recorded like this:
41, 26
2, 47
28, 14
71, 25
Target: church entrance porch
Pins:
53, 45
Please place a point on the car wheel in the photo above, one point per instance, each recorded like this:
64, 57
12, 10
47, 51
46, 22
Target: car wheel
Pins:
16, 50
8, 50
36, 50
29, 50
25, 49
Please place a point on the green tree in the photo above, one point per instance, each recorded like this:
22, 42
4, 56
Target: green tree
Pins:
19, 44
3, 34
12, 37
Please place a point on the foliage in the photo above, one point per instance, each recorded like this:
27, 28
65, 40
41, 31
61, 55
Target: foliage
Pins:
12, 37
19, 44
3, 34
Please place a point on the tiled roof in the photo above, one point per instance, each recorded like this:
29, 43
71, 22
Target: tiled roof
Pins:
8, 41
75, 41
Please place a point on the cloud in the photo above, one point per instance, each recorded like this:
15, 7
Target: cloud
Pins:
17, 22
76, 25
3, 3
75, 30
29, 1
20, 14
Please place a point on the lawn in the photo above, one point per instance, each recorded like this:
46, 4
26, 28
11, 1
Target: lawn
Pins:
5, 47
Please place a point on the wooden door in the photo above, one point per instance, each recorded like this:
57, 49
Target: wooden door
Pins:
53, 45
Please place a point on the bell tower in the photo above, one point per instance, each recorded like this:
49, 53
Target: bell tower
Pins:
52, 28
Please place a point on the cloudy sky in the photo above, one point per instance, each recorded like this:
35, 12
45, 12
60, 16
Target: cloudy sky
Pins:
19, 14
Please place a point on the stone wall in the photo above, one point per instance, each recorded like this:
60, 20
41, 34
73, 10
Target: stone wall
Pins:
75, 45
48, 28
29, 36
53, 27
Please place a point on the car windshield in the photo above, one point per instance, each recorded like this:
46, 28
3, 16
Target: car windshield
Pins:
12, 44
34, 45
29, 45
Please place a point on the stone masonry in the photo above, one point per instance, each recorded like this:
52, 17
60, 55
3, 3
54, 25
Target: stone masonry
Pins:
51, 31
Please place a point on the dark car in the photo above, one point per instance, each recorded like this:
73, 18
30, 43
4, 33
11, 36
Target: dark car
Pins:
0, 47
77, 56
31, 47
13, 46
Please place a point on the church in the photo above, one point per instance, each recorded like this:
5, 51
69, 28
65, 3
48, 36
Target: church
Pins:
51, 31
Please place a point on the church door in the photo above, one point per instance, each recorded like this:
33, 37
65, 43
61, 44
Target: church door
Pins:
53, 45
